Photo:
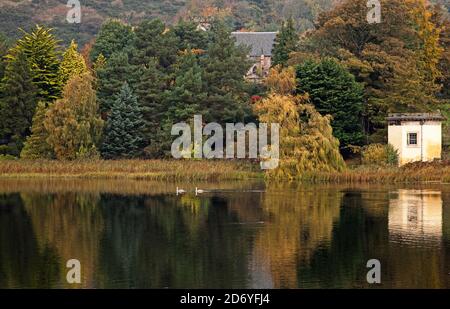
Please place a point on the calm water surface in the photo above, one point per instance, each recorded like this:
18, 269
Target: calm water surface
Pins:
235, 235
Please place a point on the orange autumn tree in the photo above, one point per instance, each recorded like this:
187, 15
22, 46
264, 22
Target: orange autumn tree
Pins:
307, 143
73, 122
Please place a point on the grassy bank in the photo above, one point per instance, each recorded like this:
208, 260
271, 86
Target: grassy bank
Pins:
167, 170
206, 170
434, 172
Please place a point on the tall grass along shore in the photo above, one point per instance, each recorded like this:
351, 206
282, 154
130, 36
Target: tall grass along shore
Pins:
216, 170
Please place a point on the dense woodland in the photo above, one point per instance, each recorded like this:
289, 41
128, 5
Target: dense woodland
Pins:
119, 95
258, 15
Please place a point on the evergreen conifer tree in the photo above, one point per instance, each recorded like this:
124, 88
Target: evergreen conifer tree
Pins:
150, 92
114, 36
72, 63
36, 146
17, 104
40, 49
123, 136
111, 77
285, 43
224, 67
334, 91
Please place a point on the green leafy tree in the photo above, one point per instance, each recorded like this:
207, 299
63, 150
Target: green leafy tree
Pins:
73, 122
72, 63
114, 36
123, 136
17, 104
285, 42
40, 49
36, 146
334, 91
111, 77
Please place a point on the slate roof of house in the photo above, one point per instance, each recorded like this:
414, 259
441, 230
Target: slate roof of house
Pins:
415, 116
261, 43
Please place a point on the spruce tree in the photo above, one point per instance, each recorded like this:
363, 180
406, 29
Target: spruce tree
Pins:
40, 49
72, 63
36, 146
17, 104
111, 77
285, 43
123, 136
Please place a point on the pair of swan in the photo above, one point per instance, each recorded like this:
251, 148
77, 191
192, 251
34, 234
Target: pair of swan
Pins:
197, 191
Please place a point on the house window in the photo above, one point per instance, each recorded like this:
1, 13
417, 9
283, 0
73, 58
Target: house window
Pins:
412, 139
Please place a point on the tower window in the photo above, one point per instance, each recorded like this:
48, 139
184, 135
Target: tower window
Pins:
412, 139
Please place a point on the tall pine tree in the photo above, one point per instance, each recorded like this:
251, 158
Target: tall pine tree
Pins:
285, 43
150, 90
17, 104
40, 49
123, 136
153, 40
225, 65
114, 36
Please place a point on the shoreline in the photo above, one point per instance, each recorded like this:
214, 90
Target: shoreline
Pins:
214, 170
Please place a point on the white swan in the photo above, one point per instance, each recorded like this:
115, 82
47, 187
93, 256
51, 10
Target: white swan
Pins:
198, 191
180, 191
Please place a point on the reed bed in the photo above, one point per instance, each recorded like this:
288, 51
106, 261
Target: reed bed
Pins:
167, 170
433, 172
215, 170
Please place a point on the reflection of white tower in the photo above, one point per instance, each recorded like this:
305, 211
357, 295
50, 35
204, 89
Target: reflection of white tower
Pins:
416, 216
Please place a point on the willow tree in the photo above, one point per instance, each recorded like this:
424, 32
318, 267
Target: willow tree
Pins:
73, 122
307, 143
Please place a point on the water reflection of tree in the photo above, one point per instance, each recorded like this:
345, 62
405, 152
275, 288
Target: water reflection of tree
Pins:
171, 242
298, 223
71, 225
23, 263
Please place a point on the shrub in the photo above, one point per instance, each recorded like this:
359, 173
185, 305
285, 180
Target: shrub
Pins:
7, 157
378, 154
